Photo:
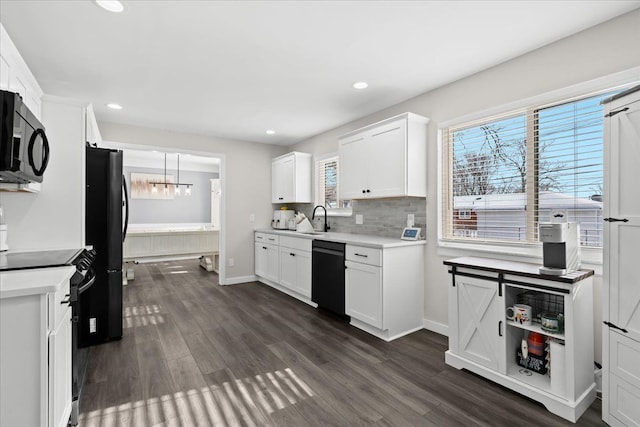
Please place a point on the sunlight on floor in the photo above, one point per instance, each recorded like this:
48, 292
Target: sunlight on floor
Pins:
141, 316
234, 402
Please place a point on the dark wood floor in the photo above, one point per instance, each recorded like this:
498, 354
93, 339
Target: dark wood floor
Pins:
198, 354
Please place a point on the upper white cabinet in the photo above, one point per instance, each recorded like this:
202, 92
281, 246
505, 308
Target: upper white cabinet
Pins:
385, 159
15, 75
291, 178
91, 131
621, 291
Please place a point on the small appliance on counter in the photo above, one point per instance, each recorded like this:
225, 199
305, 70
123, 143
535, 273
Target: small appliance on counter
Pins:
560, 247
281, 219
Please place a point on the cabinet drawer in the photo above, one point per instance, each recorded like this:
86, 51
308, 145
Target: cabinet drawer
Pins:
56, 307
299, 243
267, 238
364, 255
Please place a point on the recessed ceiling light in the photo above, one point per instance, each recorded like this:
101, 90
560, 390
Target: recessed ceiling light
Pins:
361, 85
271, 132
111, 5
114, 106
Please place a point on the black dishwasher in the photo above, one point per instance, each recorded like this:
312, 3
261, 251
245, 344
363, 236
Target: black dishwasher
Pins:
327, 275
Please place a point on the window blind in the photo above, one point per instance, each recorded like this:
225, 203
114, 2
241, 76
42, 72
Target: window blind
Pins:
327, 194
505, 174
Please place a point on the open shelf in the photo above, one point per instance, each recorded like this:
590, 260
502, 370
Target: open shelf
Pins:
540, 381
535, 327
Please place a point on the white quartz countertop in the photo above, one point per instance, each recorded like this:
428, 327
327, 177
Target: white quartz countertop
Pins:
348, 238
20, 283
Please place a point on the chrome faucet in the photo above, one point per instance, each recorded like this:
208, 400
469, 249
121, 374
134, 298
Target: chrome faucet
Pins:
313, 216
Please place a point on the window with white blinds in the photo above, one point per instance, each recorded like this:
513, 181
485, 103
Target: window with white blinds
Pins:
505, 174
328, 188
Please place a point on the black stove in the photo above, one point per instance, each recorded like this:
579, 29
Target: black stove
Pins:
39, 259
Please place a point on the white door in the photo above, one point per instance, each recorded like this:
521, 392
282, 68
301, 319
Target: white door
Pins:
363, 298
624, 236
387, 160
353, 167
273, 263
60, 372
480, 325
261, 259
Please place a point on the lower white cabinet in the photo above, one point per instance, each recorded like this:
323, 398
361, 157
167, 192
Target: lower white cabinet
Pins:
35, 348
295, 270
267, 261
483, 340
284, 263
363, 297
384, 289
60, 370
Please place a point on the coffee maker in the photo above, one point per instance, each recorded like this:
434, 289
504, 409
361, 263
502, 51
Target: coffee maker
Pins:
560, 247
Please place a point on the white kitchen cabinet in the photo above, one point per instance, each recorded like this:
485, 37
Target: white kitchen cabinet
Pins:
92, 133
484, 341
363, 299
291, 178
293, 257
267, 261
385, 159
15, 75
621, 291
35, 347
295, 264
384, 289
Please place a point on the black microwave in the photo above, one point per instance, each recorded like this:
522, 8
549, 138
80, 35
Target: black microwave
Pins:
24, 148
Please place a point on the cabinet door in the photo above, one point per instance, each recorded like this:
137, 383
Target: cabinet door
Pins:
261, 259
60, 372
353, 167
303, 273
288, 268
621, 251
480, 329
273, 263
282, 180
387, 160
363, 300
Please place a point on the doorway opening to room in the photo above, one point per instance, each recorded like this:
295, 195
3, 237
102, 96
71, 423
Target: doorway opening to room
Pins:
176, 207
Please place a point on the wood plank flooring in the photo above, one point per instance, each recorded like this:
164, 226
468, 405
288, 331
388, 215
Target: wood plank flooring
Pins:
198, 354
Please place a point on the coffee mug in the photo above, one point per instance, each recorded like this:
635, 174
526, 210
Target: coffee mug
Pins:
520, 313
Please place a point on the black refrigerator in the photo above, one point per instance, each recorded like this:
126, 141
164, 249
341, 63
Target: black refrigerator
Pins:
100, 317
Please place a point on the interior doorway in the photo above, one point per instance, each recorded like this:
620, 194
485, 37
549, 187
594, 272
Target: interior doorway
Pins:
176, 205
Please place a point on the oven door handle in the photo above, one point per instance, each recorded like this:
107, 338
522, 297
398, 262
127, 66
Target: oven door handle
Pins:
87, 285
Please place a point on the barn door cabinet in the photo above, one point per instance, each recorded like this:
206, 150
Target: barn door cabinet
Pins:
482, 339
621, 290
291, 178
385, 159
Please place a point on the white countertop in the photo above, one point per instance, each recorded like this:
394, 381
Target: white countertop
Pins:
20, 283
349, 238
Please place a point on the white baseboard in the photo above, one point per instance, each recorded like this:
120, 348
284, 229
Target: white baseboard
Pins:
437, 327
237, 280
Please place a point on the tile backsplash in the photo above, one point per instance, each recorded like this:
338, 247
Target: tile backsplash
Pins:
381, 217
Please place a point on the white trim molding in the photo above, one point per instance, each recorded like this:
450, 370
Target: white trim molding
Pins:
437, 327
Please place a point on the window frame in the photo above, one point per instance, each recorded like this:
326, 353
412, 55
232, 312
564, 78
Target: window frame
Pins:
345, 212
521, 250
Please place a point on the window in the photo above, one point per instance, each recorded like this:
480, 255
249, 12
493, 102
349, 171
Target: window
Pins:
327, 187
504, 174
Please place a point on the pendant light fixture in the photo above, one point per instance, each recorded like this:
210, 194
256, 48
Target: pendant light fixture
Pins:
176, 185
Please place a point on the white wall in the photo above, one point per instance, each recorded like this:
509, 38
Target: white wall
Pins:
599, 51
247, 184
53, 218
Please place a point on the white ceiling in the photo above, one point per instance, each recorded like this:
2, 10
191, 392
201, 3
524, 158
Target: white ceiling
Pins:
236, 69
